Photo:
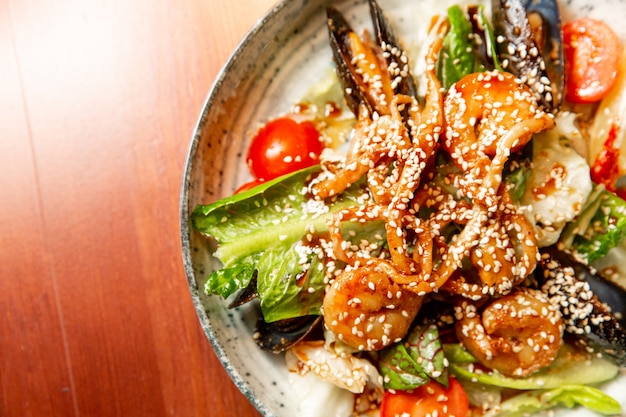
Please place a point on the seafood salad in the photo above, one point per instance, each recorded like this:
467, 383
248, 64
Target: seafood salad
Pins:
441, 230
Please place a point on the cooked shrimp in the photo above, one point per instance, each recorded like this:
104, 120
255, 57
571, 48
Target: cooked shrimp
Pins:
365, 309
488, 116
503, 256
516, 335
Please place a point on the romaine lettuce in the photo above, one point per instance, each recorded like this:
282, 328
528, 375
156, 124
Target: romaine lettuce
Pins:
265, 230
570, 396
458, 56
566, 369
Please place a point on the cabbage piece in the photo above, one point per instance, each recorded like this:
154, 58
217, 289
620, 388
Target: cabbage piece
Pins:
342, 369
600, 228
559, 183
316, 397
483, 397
326, 97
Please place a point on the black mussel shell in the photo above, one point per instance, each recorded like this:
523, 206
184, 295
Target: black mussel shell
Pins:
593, 308
355, 92
339, 30
536, 59
397, 59
278, 336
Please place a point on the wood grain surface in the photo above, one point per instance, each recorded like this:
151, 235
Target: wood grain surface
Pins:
97, 103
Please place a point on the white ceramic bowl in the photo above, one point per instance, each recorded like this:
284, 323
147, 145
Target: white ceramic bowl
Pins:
281, 57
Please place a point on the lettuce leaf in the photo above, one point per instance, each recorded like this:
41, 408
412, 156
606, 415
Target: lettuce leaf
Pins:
468, 47
566, 369
458, 58
570, 396
600, 227
414, 362
264, 231
456, 353
606, 227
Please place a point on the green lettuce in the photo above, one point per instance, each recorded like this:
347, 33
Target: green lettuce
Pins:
458, 57
601, 226
263, 231
562, 384
415, 361
570, 396
564, 370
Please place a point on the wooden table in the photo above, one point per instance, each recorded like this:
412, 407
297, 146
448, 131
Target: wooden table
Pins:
97, 103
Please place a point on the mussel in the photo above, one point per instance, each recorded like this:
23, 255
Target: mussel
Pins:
530, 45
369, 73
593, 309
396, 58
278, 336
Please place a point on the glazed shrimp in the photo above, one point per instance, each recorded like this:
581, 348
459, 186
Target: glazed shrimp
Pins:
488, 116
516, 335
365, 309
505, 254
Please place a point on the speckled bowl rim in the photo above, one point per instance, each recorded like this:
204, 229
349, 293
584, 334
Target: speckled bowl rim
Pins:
238, 53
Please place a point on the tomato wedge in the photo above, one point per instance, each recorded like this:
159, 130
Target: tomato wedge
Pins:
592, 53
283, 145
427, 400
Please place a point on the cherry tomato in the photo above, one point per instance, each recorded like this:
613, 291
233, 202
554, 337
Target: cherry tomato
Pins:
592, 54
282, 146
248, 186
425, 400
605, 169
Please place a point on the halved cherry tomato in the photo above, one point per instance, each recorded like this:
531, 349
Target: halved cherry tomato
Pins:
425, 400
592, 54
282, 146
248, 186
605, 169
